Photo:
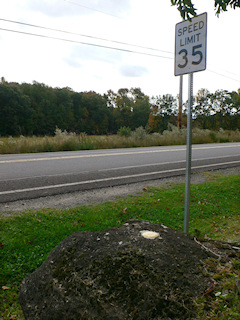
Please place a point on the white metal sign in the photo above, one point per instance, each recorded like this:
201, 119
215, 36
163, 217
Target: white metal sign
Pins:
191, 45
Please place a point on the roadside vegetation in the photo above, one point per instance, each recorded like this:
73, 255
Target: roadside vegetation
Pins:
125, 138
36, 110
27, 238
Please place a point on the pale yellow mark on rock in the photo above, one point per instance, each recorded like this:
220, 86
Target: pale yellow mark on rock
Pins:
150, 234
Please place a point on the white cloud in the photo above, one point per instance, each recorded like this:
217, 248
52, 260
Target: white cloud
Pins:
63, 8
146, 23
82, 53
133, 71
53, 8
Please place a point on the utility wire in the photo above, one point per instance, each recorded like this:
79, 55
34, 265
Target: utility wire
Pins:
83, 35
80, 5
223, 75
92, 44
85, 43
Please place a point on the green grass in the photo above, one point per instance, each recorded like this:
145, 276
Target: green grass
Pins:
27, 238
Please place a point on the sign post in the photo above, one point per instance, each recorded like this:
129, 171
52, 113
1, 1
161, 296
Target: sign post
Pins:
190, 57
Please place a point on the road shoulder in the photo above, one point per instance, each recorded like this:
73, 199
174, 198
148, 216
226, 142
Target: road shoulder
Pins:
72, 200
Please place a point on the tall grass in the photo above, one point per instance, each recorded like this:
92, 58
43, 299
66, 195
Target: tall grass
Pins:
64, 141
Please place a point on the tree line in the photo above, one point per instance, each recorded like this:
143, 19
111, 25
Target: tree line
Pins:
37, 109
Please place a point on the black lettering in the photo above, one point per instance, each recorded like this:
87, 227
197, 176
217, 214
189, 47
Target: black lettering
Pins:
196, 52
180, 32
195, 26
190, 40
197, 35
184, 29
184, 51
201, 24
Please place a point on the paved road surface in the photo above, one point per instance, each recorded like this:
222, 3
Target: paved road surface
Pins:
28, 176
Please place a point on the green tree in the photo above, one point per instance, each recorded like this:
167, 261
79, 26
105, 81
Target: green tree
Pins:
96, 113
216, 110
78, 112
165, 111
187, 10
236, 107
140, 108
236, 101
223, 108
64, 116
122, 107
202, 109
16, 114
44, 103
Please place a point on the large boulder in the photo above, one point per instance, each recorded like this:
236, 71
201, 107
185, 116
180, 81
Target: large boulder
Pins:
120, 273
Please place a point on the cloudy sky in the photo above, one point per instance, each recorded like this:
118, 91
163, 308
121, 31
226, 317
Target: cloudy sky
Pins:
85, 60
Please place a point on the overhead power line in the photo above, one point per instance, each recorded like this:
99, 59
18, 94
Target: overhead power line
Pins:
223, 75
84, 35
85, 43
98, 45
80, 5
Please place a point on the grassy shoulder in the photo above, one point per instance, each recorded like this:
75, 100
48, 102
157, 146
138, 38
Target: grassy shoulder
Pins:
27, 238
65, 141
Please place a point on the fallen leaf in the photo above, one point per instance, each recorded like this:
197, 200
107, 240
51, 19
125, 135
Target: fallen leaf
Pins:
1, 244
82, 225
75, 223
124, 210
5, 288
212, 286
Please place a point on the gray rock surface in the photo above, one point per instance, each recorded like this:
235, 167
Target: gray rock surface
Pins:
117, 274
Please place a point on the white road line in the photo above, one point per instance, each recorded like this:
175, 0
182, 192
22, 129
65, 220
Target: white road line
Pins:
116, 154
161, 163
114, 168
110, 179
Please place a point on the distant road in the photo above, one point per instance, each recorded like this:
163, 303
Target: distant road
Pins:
28, 176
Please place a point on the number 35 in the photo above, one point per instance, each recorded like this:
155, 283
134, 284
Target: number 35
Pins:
195, 52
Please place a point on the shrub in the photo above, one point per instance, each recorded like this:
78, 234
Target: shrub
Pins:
124, 132
139, 133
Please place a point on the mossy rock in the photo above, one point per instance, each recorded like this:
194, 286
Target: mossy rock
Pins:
118, 274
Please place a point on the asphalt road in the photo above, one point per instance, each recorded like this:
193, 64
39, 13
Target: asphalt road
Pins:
29, 176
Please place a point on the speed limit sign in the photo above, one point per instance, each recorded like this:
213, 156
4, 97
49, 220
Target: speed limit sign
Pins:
191, 45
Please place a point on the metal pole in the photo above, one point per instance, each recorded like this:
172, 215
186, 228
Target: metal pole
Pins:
189, 153
180, 103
